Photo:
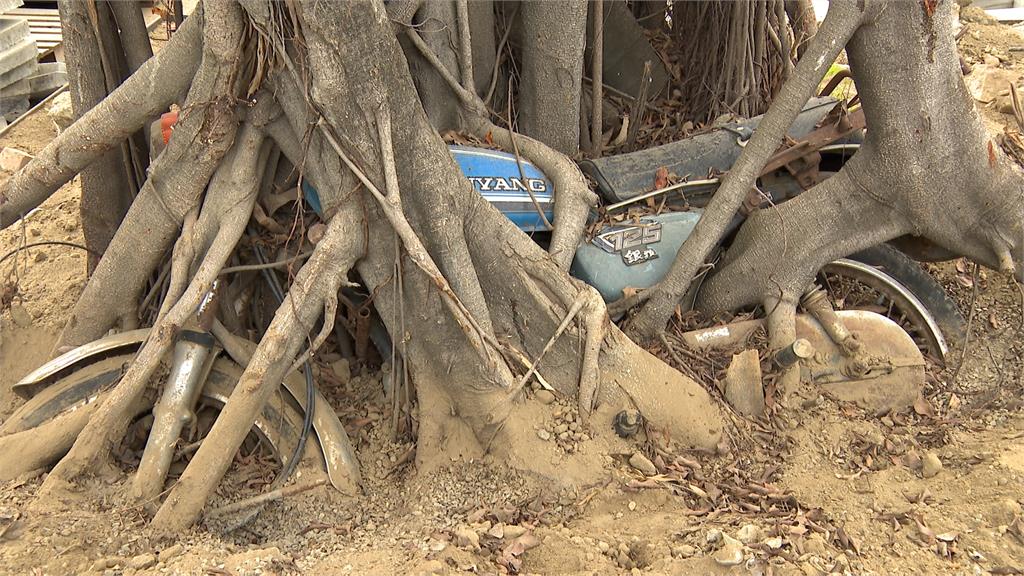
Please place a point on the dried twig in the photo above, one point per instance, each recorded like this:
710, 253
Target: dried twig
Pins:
572, 312
266, 497
970, 323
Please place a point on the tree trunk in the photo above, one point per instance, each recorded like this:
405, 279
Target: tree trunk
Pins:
106, 193
553, 35
803, 21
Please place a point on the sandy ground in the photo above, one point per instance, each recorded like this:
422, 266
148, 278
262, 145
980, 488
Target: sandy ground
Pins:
818, 489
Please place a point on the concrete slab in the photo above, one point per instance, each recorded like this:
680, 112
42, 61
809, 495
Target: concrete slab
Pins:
6, 5
20, 89
17, 55
11, 109
12, 31
626, 48
20, 73
42, 84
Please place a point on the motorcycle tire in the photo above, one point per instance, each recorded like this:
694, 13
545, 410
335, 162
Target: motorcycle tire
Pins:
924, 307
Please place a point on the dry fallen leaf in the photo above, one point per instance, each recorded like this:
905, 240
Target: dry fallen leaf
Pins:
923, 407
661, 178
993, 321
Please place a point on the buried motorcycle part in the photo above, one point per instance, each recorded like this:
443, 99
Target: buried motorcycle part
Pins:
277, 427
901, 290
800, 349
943, 311
83, 375
627, 423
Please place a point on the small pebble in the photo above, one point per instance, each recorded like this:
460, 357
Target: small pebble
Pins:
170, 552
643, 464
930, 465
142, 561
545, 396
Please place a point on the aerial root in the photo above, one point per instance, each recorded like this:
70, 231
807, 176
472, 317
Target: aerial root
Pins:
321, 276
781, 324
112, 418
595, 327
330, 312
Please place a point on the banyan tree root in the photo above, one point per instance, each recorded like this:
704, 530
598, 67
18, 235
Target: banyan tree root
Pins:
226, 213
477, 301
112, 420
573, 198
890, 187
659, 302
158, 83
318, 280
177, 179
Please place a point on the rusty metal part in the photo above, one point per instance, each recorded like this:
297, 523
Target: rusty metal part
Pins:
815, 302
209, 307
800, 349
834, 81
362, 337
845, 125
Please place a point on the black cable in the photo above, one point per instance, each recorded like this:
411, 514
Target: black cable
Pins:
47, 243
307, 418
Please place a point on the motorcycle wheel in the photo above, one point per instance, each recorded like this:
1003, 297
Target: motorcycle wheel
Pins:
884, 280
277, 428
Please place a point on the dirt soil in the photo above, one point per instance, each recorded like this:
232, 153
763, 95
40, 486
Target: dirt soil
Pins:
819, 488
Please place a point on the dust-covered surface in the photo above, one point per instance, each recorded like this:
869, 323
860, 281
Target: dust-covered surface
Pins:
821, 487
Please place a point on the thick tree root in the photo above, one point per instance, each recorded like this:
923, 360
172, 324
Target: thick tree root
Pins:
842, 20
111, 421
200, 140
573, 199
320, 278
161, 81
43, 445
780, 249
595, 327
549, 95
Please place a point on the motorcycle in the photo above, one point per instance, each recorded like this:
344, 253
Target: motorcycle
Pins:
634, 237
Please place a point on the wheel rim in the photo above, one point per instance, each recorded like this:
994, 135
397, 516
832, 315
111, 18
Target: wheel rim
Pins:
895, 300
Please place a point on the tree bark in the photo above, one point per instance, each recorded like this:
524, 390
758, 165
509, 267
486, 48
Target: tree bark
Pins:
804, 22
161, 81
552, 35
106, 193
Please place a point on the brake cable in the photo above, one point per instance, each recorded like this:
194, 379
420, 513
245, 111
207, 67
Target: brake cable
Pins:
307, 418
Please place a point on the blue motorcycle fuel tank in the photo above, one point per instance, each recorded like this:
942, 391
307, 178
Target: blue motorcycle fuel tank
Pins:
497, 177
